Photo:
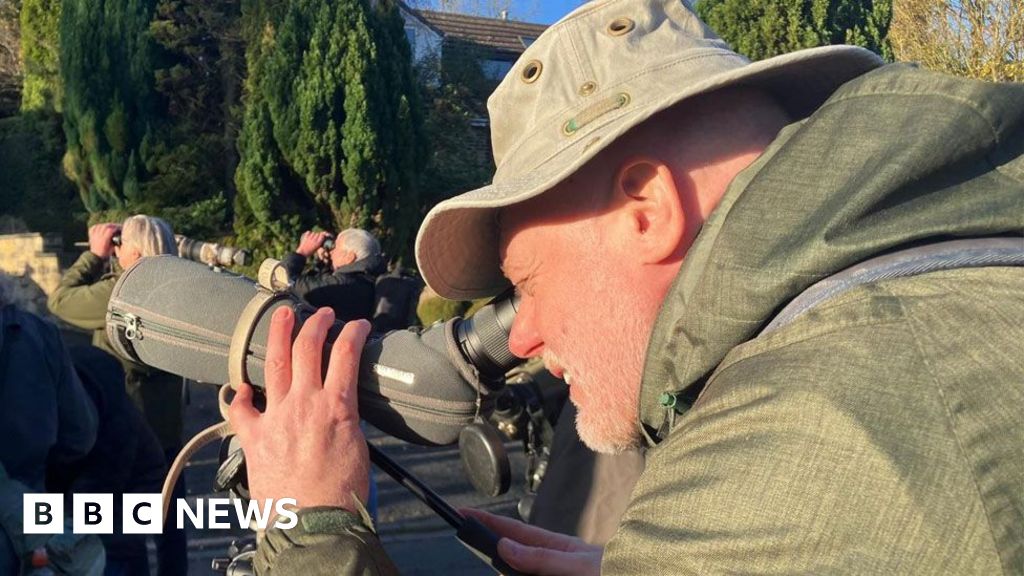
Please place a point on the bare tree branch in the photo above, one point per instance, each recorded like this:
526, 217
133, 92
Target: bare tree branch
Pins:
975, 38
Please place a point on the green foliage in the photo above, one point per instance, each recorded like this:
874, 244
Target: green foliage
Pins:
330, 131
32, 187
10, 58
459, 158
106, 62
149, 92
437, 309
198, 80
761, 29
40, 45
401, 133
458, 152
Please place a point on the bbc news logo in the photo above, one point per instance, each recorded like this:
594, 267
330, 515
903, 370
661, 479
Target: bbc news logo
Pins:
143, 513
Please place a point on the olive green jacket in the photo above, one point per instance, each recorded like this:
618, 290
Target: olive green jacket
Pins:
81, 300
883, 432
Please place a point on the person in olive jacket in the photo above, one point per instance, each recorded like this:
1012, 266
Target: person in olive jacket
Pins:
81, 300
659, 203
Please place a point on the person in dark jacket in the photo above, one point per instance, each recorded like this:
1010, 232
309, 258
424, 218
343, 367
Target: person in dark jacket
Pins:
345, 277
47, 418
47, 415
126, 458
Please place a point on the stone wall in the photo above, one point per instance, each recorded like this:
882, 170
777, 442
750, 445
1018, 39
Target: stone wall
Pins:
33, 262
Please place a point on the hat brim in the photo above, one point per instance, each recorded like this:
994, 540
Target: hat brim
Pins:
457, 245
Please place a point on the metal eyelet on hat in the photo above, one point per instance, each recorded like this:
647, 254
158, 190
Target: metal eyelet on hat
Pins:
531, 72
588, 88
621, 26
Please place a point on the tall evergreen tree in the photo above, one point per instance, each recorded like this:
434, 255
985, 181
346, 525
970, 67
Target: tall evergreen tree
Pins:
402, 133
199, 82
329, 135
107, 63
761, 29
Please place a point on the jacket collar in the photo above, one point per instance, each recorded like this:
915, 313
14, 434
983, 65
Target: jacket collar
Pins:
831, 191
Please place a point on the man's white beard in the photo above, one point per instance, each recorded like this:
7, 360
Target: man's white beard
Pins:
607, 416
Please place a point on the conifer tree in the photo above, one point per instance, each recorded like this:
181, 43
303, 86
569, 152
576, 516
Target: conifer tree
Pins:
198, 80
761, 29
329, 134
106, 62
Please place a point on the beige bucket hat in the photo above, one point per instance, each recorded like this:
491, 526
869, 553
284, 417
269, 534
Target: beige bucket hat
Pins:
588, 79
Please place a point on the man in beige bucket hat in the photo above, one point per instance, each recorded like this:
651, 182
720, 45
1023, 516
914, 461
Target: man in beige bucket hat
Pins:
666, 211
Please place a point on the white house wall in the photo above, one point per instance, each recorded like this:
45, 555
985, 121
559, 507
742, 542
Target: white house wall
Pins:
426, 43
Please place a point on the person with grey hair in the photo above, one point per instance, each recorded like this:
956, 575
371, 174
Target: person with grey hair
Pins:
81, 300
346, 281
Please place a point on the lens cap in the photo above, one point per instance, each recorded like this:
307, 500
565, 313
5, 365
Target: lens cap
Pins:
482, 450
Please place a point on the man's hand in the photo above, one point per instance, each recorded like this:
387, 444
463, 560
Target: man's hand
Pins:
310, 242
101, 239
533, 550
307, 445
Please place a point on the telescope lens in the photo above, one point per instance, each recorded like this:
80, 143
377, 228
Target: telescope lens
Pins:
483, 338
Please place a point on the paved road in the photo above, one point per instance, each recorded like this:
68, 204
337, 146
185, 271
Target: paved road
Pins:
418, 541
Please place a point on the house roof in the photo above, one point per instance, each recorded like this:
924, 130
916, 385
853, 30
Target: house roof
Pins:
507, 36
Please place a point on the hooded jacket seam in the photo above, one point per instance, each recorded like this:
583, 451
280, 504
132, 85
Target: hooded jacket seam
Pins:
964, 102
965, 462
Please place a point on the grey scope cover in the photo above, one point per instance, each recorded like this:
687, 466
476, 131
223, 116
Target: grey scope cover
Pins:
179, 316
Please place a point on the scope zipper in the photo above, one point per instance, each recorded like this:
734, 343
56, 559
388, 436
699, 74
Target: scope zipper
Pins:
137, 329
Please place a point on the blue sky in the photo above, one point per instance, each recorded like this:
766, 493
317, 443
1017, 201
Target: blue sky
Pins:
542, 11
547, 11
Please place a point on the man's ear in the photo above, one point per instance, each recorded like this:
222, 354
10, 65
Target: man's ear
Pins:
652, 210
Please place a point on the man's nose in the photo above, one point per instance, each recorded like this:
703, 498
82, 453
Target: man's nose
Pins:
524, 340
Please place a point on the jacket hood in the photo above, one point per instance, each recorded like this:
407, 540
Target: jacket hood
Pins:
895, 158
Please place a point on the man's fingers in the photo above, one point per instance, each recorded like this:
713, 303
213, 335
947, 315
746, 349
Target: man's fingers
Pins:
547, 562
524, 533
241, 411
308, 351
277, 371
343, 370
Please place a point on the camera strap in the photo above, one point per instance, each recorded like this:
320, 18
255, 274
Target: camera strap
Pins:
271, 287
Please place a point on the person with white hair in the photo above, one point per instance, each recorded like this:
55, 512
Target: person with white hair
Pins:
353, 260
81, 300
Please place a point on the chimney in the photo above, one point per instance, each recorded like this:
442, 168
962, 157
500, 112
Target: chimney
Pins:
503, 14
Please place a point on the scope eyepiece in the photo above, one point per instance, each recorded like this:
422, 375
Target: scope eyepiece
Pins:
483, 338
